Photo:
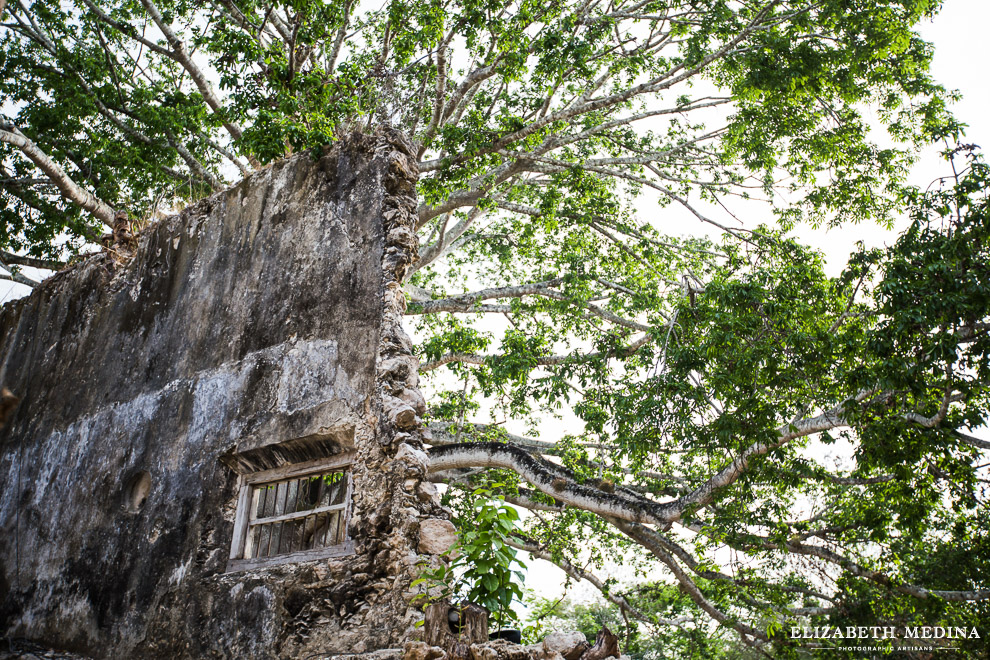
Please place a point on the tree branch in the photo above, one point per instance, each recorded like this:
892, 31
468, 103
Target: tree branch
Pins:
551, 480
581, 574
641, 535
18, 260
179, 54
550, 360
69, 189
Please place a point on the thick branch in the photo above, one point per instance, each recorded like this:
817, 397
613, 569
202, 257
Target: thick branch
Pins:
443, 435
971, 441
467, 302
18, 260
551, 480
549, 360
69, 189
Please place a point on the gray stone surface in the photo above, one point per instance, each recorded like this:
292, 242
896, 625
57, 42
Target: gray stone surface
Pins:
246, 333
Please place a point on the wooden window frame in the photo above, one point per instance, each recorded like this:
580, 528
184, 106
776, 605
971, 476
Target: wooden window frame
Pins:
242, 522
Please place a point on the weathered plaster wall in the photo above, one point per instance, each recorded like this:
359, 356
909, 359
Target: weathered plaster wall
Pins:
258, 327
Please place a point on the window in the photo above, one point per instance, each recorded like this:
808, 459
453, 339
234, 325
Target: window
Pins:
292, 513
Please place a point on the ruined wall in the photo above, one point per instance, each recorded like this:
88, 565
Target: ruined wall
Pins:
256, 328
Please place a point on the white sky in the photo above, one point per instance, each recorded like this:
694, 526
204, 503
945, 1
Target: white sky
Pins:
959, 34
960, 63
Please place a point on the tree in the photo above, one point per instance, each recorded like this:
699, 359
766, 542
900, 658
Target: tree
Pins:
674, 641
706, 372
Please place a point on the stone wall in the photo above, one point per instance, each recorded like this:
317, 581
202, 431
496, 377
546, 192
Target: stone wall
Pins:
257, 328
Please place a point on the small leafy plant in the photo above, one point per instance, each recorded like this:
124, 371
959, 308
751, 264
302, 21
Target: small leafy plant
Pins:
484, 569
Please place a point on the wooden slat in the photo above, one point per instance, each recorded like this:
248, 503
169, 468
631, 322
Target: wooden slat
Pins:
340, 550
297, 514
245, 502
287, 472
345, 519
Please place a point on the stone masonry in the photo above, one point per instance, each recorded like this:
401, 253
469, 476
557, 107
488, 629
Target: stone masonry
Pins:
258, 328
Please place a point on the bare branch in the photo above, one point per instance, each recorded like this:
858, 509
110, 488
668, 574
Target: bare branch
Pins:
676, 74
581, 574
642, 536
33, 262
179, 54
19, 278
972, 441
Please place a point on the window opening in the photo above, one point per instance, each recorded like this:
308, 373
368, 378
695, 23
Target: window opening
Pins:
292, 513
297, 514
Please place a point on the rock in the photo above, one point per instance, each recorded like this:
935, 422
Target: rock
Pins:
483, 652
436, 536
508, 651
402, 170
403, 237
422, 651
381, 654
570, 644
401, 141
399, 412
414, 399
540, 654
413, 456
402, 368
426, 491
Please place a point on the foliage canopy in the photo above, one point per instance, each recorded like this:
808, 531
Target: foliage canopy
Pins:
568, 150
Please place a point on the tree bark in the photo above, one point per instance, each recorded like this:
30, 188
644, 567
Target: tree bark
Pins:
471, 627
606, 646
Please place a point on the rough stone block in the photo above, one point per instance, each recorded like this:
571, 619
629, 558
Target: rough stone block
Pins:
436, 536
566, 643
